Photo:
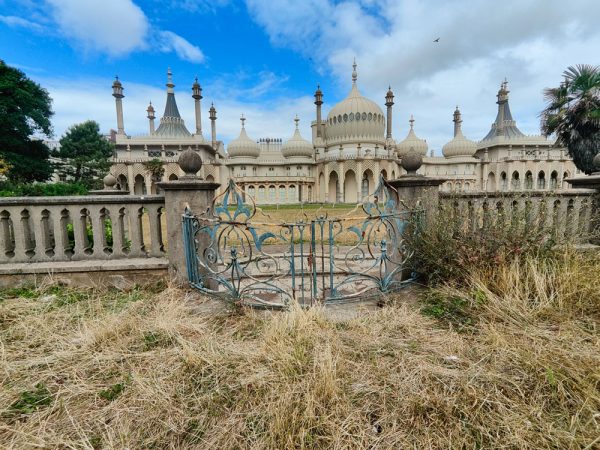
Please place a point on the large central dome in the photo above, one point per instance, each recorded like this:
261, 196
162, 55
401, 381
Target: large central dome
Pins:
355, 119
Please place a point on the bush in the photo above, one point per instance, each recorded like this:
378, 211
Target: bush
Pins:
8, 189
448, 250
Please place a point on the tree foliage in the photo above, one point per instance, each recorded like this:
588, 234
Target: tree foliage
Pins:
85, 154
25, 111
573, 114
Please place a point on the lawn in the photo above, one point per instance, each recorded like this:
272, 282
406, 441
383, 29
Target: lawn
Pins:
505, 360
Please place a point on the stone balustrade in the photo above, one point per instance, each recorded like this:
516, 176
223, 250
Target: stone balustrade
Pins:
97, 227
566, 213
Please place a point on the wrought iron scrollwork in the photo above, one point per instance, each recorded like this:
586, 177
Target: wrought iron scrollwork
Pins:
231, 254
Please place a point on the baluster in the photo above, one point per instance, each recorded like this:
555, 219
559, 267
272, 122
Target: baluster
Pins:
6, 245
20, 234
82, 244
118, 231
135, 213
37, 235
154, 213
571, 222
97, 216
62, 250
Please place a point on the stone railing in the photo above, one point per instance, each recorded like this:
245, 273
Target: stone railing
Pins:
97, 227
567, 213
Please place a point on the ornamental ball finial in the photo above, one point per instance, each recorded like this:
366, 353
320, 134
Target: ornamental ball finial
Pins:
190, 162
411, 162
109, 181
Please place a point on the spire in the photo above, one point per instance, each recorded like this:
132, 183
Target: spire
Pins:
296, 120
171, 123
411, 121
354, 74
243, 120
170, 84
504, 125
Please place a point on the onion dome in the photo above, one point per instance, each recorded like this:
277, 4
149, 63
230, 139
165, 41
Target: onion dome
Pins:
412, 142
356, 118
297, 146
243, 146
459, 145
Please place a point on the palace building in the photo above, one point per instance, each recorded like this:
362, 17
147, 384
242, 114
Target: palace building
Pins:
341, 162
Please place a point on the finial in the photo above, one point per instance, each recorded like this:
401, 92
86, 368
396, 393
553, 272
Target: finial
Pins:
296, 120
243, 119
170, 84
354, 75
412, 121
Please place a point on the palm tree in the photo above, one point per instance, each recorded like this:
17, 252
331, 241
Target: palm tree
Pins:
573, 114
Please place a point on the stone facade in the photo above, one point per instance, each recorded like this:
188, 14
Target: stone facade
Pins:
347, 151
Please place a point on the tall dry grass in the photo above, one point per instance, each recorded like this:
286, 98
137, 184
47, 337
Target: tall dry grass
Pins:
84, 369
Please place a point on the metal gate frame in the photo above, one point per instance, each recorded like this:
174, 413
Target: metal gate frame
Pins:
271, 264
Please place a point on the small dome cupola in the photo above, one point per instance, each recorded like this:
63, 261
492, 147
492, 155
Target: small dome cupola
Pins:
243, 146
297, 146
459, 145
355, 119
412, 142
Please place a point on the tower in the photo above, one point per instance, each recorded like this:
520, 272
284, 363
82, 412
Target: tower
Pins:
319, 102
212, 113
389, 102
457, 121
151, 117
197, 96
118, 95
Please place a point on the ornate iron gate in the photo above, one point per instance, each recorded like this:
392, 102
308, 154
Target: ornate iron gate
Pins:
232, 254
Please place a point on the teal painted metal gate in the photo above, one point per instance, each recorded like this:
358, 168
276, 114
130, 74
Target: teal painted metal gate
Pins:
233, 255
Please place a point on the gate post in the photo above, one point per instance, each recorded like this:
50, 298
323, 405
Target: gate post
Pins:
189, 191
417, 190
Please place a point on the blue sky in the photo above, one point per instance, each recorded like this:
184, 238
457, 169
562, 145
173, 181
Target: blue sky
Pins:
264, 58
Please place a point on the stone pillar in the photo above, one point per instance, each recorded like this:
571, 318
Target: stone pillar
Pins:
194, 193
130, 178
417, 190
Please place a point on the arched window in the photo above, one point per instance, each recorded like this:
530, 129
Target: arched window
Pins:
503, 181
261, 194
554, 180
541, 181
515, 182
272, 194
364, 187
282, 194
528, 180
251, 191
292, 194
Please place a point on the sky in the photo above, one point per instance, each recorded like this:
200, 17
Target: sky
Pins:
264, 58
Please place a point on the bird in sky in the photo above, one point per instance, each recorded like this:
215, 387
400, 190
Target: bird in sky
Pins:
436, 40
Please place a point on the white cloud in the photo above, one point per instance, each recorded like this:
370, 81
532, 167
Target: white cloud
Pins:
169, 41
114, 27
481, 42
14, 21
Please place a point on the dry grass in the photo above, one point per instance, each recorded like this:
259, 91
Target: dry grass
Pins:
148, 370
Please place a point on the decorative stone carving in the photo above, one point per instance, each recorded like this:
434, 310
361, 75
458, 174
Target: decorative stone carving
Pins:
411, 162
190, 162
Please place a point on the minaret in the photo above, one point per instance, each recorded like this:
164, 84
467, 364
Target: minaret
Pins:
212, 113
354, 74
151, 117
197, 96
118, 95
319, 102
502, 100
389, 102
457, 121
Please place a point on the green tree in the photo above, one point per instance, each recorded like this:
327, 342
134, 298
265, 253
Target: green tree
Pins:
25, 111
85, 154
573, 114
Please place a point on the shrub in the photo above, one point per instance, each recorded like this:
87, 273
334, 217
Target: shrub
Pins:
448, 249
8, 189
